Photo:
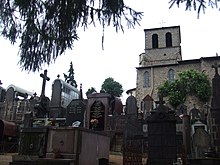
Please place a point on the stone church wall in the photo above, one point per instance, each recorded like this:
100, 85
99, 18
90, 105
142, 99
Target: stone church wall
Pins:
159, 75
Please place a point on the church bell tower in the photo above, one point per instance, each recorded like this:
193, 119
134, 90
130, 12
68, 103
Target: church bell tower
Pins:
162, 46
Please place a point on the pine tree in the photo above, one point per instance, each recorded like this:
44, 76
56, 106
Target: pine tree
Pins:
47, 28
70, 78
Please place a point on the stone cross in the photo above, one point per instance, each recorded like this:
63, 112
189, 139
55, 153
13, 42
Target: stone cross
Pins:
162, 23
215, 66
160, 102
45, 78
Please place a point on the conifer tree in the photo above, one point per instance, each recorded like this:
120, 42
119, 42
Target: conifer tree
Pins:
47, 28
70, 78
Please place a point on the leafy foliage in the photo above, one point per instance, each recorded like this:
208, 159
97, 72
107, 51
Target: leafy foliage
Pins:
197, 5
46, 28
90, 91
70, 78
190, 82
112, 87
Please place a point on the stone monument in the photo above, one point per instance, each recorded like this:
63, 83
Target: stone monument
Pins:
98, 111
76, 112
133, 134
215, 110
43, 105
162, 135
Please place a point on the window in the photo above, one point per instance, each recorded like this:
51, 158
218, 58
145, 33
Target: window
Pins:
168, 39
146, 79
155, 41
171, 75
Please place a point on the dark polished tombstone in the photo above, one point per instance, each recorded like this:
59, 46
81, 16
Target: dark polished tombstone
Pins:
97, 116
162, 148
56, 110
76, 112
98, 111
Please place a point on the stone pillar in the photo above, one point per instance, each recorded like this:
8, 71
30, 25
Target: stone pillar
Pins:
215, 110
187, 134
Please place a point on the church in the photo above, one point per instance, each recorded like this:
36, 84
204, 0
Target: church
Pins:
161, 61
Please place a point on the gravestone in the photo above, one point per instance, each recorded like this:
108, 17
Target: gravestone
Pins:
186, 136
132, 151
98, 111
97, 116
2, 94
9, 100
76, 112
131, 107
10, 95
133, 134
215, 110
56, 109
201, 142
42, 106
161, 135
56, 94
45, 79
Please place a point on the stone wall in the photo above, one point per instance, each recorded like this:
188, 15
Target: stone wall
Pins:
159, 75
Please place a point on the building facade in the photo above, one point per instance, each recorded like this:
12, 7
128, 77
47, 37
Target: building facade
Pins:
162, 60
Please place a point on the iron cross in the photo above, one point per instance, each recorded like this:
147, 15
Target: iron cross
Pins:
45, 78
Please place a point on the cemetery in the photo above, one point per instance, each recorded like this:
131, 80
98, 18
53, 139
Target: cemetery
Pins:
68, 129
90, 131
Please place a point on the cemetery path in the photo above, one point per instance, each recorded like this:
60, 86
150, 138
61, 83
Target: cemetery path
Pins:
5, 159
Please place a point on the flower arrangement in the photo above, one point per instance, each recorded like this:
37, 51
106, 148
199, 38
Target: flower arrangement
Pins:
94, 123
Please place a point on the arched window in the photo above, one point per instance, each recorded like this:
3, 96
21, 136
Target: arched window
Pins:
146, 79
155, 41
168, 39
171, 75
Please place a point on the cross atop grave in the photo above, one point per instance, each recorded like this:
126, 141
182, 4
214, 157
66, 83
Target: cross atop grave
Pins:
215, 66
161, 101
0, 82
35, 94
45, 78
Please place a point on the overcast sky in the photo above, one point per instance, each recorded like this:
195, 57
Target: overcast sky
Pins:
119, 59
